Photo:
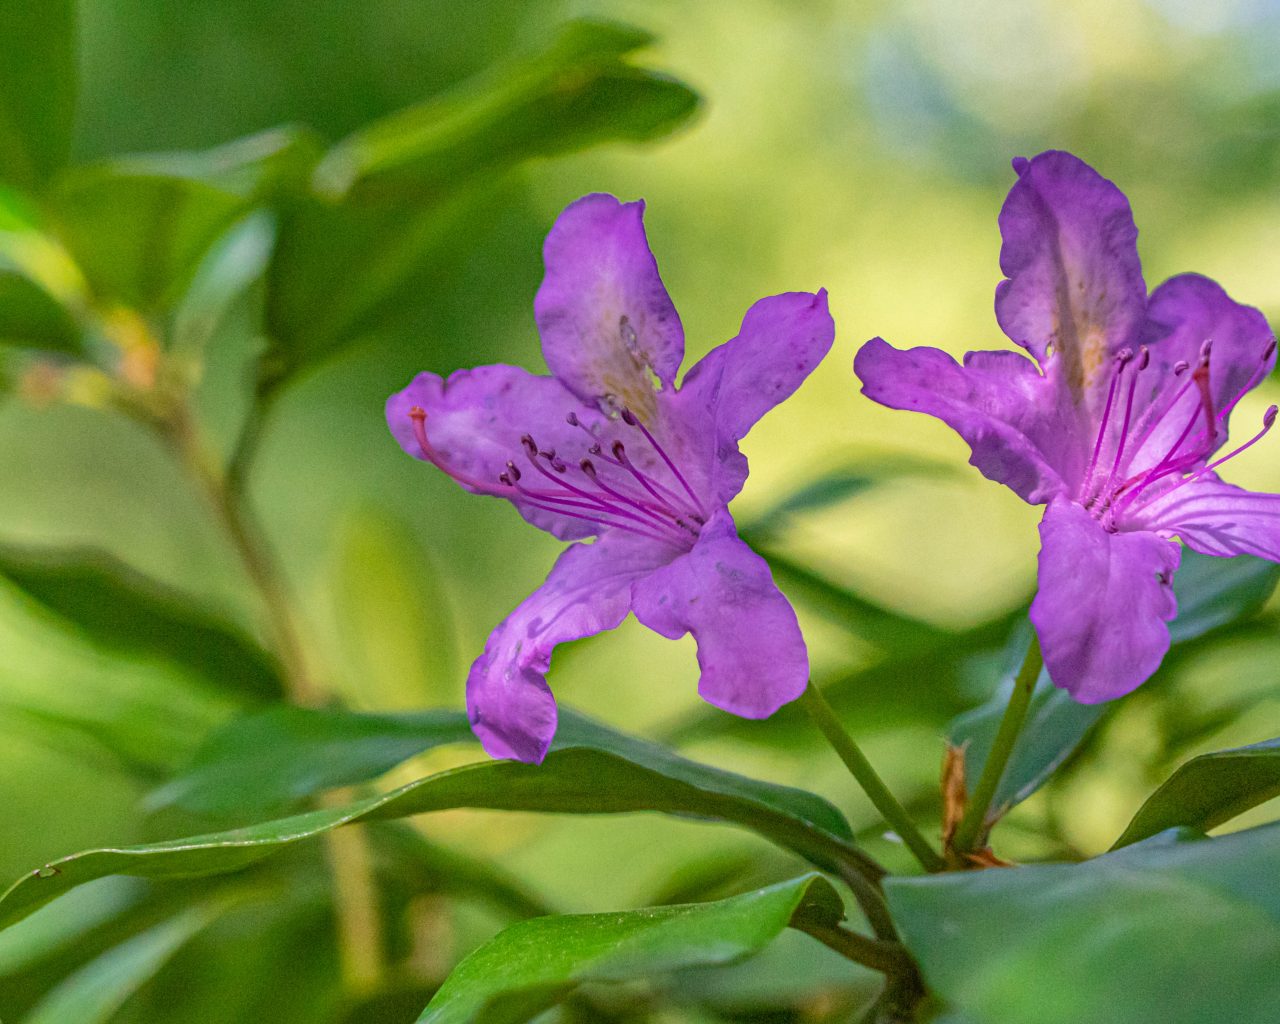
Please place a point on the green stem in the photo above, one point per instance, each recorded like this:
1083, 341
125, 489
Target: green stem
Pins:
886, 957
359, 929
885, 802
973, 826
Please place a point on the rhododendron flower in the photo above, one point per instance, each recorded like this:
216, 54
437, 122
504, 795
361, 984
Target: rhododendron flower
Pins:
609, 448
1117, 429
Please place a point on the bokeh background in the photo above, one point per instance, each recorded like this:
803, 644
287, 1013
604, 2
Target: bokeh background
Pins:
861, 147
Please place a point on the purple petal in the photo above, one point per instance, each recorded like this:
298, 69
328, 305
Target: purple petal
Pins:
782, 339
475, 422
750, 650
605, 318
1074, 287
1218, 518
1184, 313
998, 402
1104, 603
588, 591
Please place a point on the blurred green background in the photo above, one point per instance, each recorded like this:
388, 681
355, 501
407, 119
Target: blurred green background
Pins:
861, 147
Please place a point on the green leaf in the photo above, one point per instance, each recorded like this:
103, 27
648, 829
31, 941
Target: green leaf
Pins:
1212, 593
1174, 930
37, 89
95, 992
578, 93
30, 317
121, 610
64, 922
392, 198
535, 964
275, 758
591, 770
138, 236
1216, 592
1209, 790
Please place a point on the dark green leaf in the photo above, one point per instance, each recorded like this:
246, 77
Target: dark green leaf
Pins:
1215, 592
95, 992
591, 770
535, 964
1209, 790
1175, 930
138, 236
30, 317
119, 609
271, 759
579, 93
37, 89
1212, 593
396, 193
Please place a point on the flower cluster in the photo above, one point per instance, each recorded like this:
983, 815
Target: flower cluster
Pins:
1115, 423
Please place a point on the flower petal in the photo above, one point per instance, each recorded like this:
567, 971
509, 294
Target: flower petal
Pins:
752, 655
605, 318
1218, 518
1184, 313
475, 422
1074, 290
1104, 603
782, 340
588, 591
998, 402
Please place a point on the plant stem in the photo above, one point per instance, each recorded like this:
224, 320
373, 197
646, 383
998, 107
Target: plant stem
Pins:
973, 826
885, 957
359, 929
885, 802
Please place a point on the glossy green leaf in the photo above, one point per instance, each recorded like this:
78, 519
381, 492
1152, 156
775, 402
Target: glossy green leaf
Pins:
579, 93
95, 992
120, 609
31, 318
535, 964
37, 89
271, 759
1212, 593
138, 236
1174, 930
591, 770
1209, 790
395, 195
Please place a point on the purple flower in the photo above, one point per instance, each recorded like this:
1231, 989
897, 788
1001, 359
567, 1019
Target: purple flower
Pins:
608, 447
1116, 430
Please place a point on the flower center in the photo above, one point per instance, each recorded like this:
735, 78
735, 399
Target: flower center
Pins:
594, 485
1126, 476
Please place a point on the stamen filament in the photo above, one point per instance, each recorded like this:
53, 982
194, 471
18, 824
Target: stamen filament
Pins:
630, 418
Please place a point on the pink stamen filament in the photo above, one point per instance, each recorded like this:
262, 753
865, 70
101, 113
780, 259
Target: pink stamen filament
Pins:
1143, 360
1268, 421
1122, 358
632, 420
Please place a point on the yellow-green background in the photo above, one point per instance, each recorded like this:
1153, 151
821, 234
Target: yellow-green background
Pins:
859, 147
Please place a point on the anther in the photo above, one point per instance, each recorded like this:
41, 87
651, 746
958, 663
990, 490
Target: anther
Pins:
626, 332
572, 420
548, 453
588, 467
1181, 367
1206, 350
1144, 358
619, 450
1124, 356
595, 449
513, 471
1269, 418
628, 417
530, 445
504, 478
558, 465
1270, 351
